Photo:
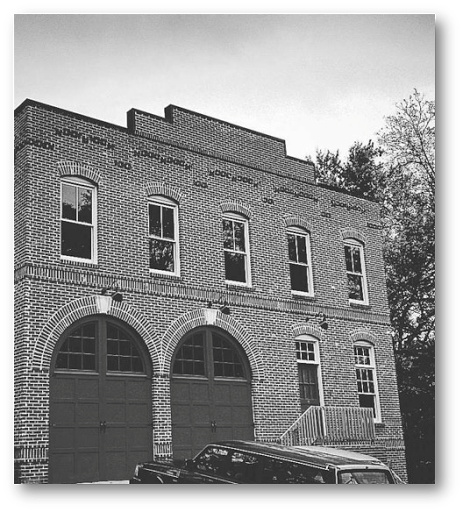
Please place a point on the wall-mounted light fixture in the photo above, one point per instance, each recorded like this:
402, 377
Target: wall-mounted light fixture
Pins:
103, 301
224, 308
322, 322
321, 317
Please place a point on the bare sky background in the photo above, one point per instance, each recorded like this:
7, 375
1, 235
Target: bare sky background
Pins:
317, 81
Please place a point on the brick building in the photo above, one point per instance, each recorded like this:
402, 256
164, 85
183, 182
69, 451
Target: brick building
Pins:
183, 280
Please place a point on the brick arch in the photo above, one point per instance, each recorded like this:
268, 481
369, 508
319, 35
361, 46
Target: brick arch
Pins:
80, 308
159, 188
70, 168
236, 206
363, 336
298, 220
204, 317
353, 233
309, 329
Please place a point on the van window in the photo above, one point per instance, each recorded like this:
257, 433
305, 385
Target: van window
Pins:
283, 472
364, 477
243, 467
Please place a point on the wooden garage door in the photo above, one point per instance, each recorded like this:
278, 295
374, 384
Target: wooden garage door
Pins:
100, 404
210, 392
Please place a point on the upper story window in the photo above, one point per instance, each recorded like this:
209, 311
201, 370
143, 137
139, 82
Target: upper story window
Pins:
163, 236
365, 370
300, 267
78, 219
355, 267
236, 249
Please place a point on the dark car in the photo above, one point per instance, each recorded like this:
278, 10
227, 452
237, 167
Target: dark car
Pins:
246, 462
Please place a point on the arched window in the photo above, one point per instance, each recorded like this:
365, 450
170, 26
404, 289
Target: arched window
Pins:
117, 351
78, 219
163, 236
365, 371
206, 353
300, 265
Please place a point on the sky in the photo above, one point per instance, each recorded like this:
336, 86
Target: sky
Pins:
318, 81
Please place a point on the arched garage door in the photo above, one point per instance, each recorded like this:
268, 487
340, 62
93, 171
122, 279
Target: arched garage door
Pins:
100, 403
210, 392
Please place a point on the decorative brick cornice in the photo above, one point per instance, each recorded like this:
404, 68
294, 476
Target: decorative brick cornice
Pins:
70, 168
198, 318
353, 233
159, 188
79, 308
299, 221
237, 207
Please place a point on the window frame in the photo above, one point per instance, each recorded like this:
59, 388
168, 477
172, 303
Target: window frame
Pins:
307, 338
235, 217
294, 230
165, 202
372, 367
352, 242
77, 181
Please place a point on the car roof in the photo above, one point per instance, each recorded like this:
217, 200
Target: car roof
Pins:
319, 455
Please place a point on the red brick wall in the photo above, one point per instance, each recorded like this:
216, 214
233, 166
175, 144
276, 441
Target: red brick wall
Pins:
204, 164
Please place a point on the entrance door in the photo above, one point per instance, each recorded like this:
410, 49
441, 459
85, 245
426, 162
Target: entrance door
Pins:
210, 392
100, 403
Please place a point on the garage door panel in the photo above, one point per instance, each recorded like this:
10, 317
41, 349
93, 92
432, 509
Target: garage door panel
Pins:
241, 415
86, 438
62, 412
180, 392
114, 387
115, 437
139, 437
138, 412
240, 394
115, 412
199, 392
62, 387
200, 414
137, 389
62, 471
87, 466
62, 438
86, 412
87, 388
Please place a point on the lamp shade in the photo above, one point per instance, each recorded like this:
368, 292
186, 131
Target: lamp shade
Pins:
103, 303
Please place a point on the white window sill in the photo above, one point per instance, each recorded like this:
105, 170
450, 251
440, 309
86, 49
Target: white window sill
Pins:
238, 283
302, 294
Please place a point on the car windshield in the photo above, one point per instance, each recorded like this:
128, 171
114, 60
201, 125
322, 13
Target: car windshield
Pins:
364, 476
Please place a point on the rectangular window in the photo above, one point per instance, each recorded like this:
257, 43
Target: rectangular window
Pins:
308, 371
299, 262
163, 236
355, 267
78, 219
236, 249
366, 378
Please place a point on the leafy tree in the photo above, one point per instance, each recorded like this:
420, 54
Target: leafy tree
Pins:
408, 145
400, 174
359, 174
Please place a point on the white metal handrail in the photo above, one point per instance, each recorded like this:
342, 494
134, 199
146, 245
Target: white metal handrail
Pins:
324, 424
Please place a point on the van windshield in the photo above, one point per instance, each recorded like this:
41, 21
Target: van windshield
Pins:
364, 476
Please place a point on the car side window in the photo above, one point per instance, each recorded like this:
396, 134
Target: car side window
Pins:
284, 472
244, 467
214, 461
